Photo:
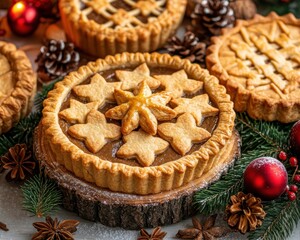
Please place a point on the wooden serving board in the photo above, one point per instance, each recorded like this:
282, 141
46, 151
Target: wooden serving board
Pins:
128, 211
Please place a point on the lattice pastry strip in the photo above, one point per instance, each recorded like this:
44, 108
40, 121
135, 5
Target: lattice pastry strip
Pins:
147, 7
278, 60
122, 18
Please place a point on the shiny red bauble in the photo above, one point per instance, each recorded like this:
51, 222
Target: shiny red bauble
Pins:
265, 177
22, 18
295, 139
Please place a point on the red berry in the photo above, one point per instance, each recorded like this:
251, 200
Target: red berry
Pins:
293, 161
297, 178
282, 156
293, 188
292, 196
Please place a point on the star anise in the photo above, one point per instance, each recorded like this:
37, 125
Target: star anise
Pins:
156, 234
206, 231
3, 226
54, 229
19, 162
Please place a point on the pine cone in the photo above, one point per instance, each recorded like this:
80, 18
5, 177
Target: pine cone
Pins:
213, 15
189, 48
19, 162
245, 212
243, 9
56, 58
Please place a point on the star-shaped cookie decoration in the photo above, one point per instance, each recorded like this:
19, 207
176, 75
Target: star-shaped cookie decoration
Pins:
97, 90
77, 111
179, 83
96, 132
131, 79
182, 134
143, 109
197, 106
142, 146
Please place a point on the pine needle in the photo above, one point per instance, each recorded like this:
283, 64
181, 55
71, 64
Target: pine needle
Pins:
23, 131
262, 139
40, 196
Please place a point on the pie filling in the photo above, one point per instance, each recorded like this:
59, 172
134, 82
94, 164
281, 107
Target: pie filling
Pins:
102, 106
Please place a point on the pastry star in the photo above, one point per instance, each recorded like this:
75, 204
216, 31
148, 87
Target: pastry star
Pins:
77, 111
142, 146
179, 83
96, 132
183, 133
197, 106
143, 109
98, 90
130, 79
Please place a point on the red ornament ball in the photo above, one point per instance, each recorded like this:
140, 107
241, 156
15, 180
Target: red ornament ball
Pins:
266, 177
22, 18
295, 139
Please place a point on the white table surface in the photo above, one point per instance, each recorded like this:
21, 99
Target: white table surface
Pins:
20, 221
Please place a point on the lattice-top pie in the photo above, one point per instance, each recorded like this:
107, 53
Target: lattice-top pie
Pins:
259, 63
102, 27
138, 123
18, 85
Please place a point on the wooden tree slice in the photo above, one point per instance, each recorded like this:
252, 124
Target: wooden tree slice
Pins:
128, 211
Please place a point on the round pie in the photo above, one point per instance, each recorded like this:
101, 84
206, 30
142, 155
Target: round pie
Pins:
259, 63
18, 85
138, 123
102, 27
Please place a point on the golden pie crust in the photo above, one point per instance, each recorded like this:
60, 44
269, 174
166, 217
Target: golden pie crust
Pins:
125, 26
258, 61
142, 178
18, 85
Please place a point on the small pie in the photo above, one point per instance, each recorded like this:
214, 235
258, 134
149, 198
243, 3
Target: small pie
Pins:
18, 85
259, 63
144, 138
103, 27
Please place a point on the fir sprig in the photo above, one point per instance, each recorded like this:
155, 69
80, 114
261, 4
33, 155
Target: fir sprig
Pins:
262, 139
282, 217
22, 132
40, 196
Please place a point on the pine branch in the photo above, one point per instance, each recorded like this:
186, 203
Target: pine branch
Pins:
217, 196
262, 133
23, 131
263, 139
41, 196
282, 217
41, 96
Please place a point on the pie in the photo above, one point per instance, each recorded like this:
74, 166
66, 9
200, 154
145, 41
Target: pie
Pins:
138, 123
102, 27
258, 61
18, 85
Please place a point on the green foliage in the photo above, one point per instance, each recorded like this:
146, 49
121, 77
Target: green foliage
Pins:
261, 139
282, 217
40, 196
281, 8
23, 131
